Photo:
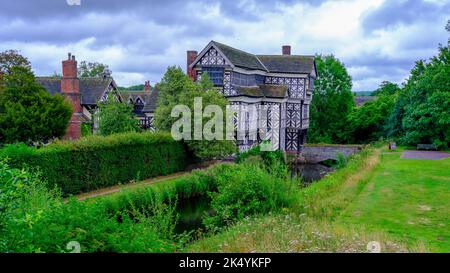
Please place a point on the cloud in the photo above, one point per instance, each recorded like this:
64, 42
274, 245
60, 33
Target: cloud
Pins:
377, 40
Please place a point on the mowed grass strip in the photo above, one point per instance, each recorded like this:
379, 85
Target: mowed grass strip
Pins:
406, 198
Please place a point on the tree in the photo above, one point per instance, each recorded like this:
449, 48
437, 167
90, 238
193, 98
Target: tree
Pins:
421, 113
91, 70
386, 88
11, 58
176, 88
28, 112
332, 101
426, 117
116, 117
367, 123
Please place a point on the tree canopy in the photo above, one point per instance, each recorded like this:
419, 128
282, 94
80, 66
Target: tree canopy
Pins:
12, 58
91, 69
28, 112
176, 88
116, 117
332, 101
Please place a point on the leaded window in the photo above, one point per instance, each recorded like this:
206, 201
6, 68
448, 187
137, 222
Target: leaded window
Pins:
215, 74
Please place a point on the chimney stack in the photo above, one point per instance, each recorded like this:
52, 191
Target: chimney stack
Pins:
191, 56
70, 88
147, 86
286, 49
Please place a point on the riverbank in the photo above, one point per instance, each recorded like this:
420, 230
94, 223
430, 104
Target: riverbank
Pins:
401, 204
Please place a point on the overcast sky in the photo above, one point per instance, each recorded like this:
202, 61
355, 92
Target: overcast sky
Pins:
377, 40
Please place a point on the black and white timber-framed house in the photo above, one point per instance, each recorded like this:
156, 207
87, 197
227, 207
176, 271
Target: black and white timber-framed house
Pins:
284, 84
144, 102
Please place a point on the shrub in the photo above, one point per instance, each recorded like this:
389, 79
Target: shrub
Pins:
95, 162
34, 219
28, 112
273, 161
245, 190
116, 117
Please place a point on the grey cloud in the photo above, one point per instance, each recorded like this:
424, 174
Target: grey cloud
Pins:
392, 13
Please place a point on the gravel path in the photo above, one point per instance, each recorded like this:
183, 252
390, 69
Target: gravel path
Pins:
433, 155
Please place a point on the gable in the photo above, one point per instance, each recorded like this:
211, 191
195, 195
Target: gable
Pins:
211, 55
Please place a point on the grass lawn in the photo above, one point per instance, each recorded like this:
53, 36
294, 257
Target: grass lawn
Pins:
408, 199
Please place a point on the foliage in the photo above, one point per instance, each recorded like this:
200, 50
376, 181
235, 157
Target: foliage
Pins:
41, 222
176, 88
86, 128
386, 88
273, 161
367, 123
116, 117
12, 58
246, 190
95, 162
28, 113
332, 101
138, 87
91, 70
426, 117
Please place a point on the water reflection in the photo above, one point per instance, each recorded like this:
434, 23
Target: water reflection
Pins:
310, 172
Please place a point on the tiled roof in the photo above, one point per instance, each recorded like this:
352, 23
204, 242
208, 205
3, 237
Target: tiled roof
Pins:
152, 102
240, 58
360, 100
264, 90
288, 63
91, 89
271, 63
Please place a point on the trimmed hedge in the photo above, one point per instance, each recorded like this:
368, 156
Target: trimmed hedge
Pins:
95, 162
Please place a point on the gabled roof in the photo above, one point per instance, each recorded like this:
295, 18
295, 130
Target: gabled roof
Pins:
288, 63
301, 64
240, 58
263, 90
91, 89
152, 103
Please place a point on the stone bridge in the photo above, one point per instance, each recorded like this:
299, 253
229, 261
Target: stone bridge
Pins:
312, 153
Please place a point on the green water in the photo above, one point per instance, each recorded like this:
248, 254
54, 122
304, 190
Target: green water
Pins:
190, 214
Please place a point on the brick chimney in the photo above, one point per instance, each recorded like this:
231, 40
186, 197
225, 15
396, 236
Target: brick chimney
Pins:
70, 88
147, 86
191, 56
286, 49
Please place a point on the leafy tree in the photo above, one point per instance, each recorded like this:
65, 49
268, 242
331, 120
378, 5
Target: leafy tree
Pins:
386, 88
116, 117
11, 58
421, 112
426, 117
91, 70
29, 113
176, 88
332, 101
367, 123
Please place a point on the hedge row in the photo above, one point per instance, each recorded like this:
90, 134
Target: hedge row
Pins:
95, 162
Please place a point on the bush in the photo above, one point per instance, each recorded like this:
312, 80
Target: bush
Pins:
28, 112
35, 219
116, 117
273, 161
245, 190
95, 162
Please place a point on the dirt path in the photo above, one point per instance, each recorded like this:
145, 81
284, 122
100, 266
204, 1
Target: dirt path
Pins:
143, 183
433, 155
117, 188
